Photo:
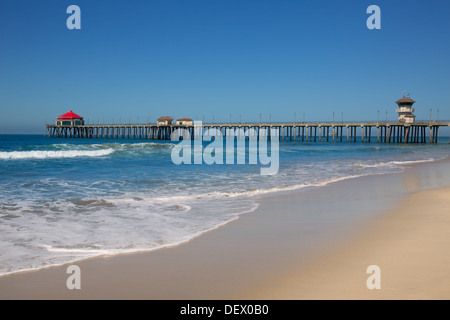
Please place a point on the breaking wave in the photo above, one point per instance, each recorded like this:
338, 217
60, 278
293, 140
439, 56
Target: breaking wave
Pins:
13, 155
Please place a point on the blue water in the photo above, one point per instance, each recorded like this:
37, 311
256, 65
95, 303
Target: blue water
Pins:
63, 200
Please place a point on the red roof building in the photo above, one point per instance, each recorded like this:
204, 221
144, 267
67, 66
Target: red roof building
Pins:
69, 119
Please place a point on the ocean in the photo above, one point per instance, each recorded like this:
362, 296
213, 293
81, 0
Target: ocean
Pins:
63, 200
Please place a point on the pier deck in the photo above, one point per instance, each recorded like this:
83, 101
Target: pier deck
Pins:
380, 132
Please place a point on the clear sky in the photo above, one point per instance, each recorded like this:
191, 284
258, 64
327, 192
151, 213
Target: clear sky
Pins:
133, 60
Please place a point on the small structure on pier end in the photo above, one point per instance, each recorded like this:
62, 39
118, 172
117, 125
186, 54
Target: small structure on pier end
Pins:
405, 110
184, 121
69, 119
164, 121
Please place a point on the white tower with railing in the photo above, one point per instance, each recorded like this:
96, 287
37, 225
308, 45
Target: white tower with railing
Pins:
405, 110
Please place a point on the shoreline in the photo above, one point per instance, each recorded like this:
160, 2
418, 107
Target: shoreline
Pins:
281, 191
288, 190
236, 257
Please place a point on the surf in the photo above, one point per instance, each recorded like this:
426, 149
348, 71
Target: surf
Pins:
14, 155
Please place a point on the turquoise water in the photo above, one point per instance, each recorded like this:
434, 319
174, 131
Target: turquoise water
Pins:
62, 200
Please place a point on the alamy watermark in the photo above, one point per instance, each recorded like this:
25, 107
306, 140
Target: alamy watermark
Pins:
74, 280
74, 20
374, 21
374, 280
238, 146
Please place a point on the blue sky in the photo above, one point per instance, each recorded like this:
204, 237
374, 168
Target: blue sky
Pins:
133, 60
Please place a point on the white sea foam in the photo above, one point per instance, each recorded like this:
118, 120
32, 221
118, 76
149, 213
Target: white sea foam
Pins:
392, 163
56, 255
411, 162
77, 250
250, 193
54, 154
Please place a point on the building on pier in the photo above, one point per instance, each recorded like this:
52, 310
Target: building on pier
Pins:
69, 119
164, 121
184, 121
405, 110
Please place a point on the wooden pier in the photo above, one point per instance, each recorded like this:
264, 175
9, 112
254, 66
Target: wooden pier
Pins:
365, 132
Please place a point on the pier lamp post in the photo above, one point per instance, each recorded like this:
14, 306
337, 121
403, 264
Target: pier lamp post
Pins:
230, 118
240, 119
431, 110
294, 117
378, 121
342, 117
386, 117
270, 118
437, 115
333, 117
260, 118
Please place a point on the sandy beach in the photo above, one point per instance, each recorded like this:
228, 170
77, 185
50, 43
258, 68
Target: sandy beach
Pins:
409, 244
313, 244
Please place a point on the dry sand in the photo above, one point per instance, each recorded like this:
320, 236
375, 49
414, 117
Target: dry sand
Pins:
411, 246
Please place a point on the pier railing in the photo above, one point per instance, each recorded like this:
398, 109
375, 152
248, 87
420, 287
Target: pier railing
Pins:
325, 131
276, 123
